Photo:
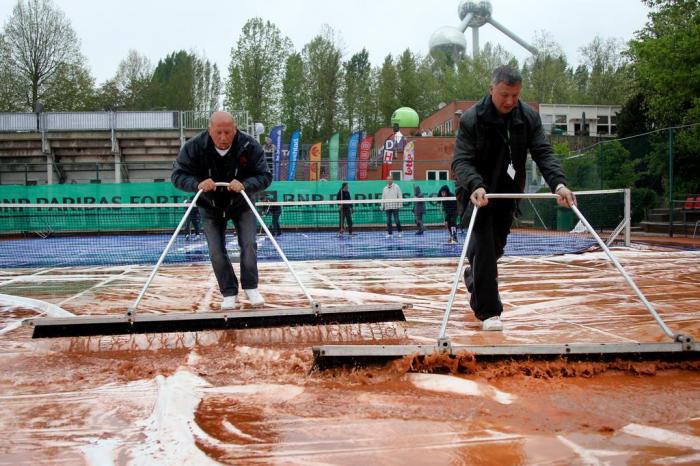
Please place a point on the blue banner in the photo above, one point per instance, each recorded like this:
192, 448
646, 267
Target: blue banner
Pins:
276, 136
352, 156
293, 154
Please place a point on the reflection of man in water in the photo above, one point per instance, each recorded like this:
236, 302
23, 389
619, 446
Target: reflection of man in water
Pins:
193, 222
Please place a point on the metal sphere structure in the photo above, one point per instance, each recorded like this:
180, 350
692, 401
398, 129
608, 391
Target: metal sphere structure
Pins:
480, 11
449, 40
472, 15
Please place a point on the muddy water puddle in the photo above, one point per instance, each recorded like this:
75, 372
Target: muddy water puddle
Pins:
254, 397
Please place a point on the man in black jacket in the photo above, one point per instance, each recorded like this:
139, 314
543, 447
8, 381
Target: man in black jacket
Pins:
223, 154
490, 152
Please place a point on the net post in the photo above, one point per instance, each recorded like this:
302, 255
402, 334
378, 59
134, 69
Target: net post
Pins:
628, 217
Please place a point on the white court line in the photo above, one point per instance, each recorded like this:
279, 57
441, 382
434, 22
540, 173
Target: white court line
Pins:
575, 324
22, 278
664, 436
97, 285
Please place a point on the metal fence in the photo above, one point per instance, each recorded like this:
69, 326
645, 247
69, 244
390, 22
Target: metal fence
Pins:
111, 121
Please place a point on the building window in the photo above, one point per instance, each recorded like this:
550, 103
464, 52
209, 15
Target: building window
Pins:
395, 175
433, 175
560, 124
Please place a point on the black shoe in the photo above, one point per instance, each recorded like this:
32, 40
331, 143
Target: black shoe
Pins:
468, 281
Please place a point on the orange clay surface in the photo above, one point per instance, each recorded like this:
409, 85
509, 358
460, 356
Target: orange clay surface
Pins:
252, 397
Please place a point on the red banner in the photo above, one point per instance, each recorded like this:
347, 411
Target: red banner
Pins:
365, 148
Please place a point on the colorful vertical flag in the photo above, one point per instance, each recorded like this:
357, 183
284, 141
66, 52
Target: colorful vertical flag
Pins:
276, 136
333, 149
315, 162
409, 167
352, 156
293, 154
365, 149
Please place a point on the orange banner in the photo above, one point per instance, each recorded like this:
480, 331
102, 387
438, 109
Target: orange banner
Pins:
315, 162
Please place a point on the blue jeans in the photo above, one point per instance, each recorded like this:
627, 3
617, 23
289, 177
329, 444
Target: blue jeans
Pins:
392, 213
215, 231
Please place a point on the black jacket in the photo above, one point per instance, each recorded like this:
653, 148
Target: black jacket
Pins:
481, 155
448, 207
199, 160
345, 196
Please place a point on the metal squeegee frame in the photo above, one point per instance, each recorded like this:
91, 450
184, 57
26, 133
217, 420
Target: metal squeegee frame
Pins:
131, 323
681, 343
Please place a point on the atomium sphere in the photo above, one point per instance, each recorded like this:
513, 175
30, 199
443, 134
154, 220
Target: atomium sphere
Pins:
448, 39
480, 10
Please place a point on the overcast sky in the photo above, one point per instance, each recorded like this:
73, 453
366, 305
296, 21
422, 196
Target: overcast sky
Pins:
155, 28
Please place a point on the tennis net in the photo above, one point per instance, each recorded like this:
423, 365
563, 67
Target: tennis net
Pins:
40, 235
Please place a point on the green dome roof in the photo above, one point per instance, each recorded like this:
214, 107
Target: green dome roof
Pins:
405, 117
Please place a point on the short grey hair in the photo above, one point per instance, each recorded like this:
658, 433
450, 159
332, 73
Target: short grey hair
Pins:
506, 74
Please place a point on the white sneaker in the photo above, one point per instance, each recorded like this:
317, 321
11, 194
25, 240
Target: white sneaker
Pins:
254, 297
388, 235
229, 302
400, 235
492, 324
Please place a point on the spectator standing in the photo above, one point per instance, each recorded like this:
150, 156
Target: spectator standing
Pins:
392, 193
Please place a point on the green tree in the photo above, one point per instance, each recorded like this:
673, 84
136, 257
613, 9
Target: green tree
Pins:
606, 63
128, 88
665, 55
408, 84
292, 93
172, 83
40, 43
207, 85
545, 75
356, 90
256, 71
322, 80
10, 83
71, 89
387, 100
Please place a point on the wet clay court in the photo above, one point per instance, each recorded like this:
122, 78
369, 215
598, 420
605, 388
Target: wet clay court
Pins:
253, 396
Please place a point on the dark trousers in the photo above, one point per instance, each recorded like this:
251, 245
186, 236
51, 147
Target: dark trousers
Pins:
486, 246
215, 231
389, 214
276, 230
346, 218
192, 223
419, 221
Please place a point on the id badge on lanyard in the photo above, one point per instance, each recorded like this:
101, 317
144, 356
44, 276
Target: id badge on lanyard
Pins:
511, 169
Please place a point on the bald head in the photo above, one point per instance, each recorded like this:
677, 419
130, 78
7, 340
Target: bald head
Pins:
222, 129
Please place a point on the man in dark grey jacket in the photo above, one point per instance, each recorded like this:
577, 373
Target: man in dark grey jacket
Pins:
224, 154
490, 152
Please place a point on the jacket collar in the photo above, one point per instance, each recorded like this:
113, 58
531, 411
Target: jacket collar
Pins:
487, 113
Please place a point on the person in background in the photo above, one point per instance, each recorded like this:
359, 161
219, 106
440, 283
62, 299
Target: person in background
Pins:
221, 153
391, 192
345, 210
193, 222
449, 208
490, 153
269, 150
418, 210
275, 212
